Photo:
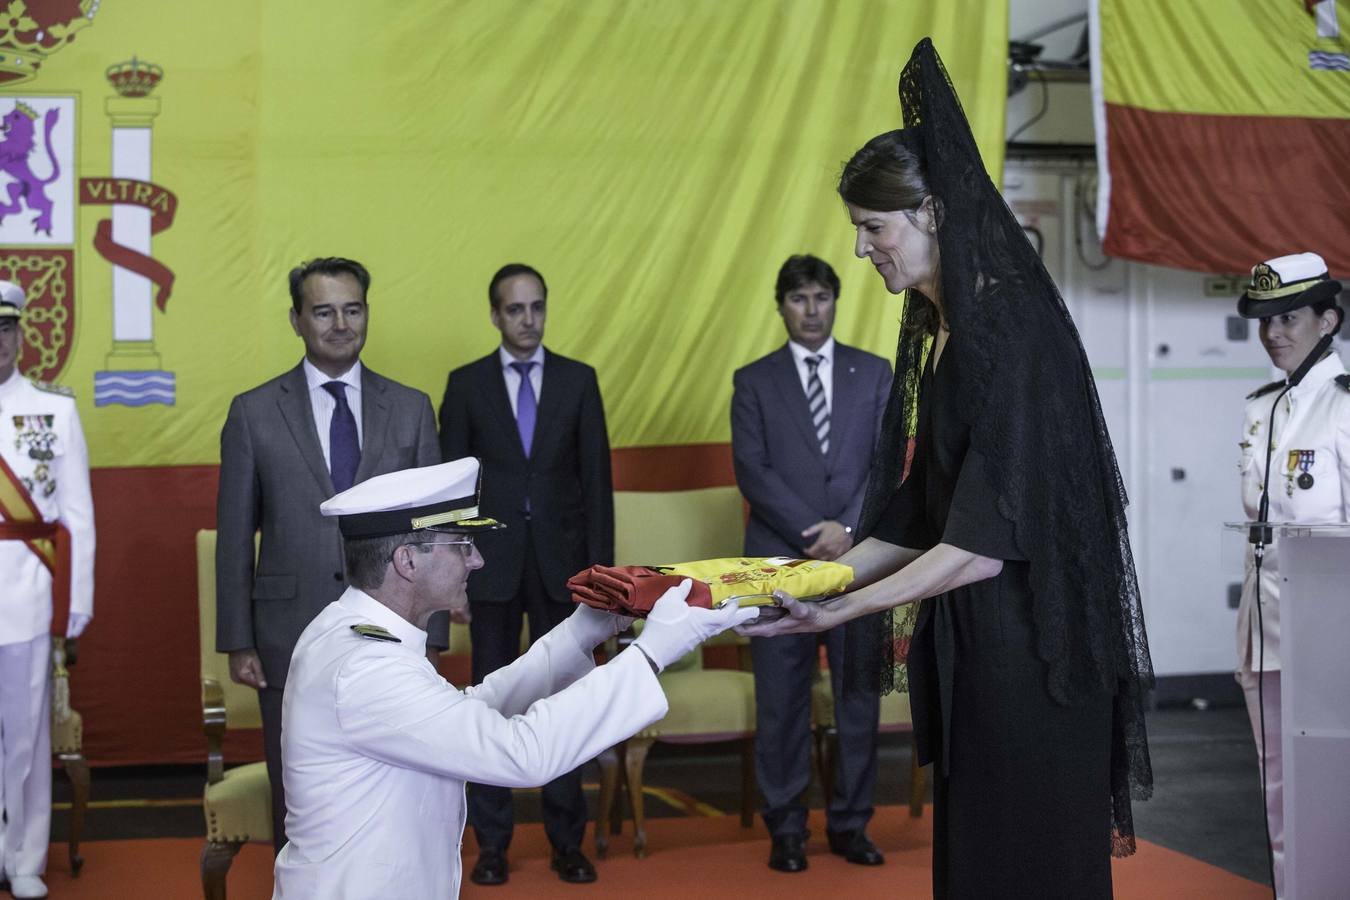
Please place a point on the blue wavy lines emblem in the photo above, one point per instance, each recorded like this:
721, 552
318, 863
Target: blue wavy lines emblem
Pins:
1332, 62
134, 388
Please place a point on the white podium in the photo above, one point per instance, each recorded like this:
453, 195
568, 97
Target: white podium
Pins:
1315, 706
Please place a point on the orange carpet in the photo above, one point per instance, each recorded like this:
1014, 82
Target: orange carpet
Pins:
704, 857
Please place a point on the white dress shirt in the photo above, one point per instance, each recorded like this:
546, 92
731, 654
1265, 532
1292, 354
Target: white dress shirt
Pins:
513, 377
825, 369
376, 746
35, 422
324, 405
1314, 416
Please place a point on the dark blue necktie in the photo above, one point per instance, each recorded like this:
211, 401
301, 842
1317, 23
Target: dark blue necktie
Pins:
344, 448
526, 405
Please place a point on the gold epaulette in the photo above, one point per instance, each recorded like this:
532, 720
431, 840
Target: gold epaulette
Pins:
376, 633
1265, 389
49, 388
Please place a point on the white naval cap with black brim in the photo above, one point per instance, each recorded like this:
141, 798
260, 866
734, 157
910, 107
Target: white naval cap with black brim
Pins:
12, 299
1287, 283
432, 498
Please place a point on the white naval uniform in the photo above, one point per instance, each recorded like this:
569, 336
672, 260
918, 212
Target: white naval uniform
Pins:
376, 747
1314, 416
35, 421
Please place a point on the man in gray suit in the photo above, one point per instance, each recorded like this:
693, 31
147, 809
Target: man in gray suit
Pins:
804, 423
287, 446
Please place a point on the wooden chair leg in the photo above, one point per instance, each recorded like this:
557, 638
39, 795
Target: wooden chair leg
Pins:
216, 859
635, 758
917, 780
749, 788
77, 770
609, 783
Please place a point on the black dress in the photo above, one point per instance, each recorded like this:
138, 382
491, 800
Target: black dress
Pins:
1021, 784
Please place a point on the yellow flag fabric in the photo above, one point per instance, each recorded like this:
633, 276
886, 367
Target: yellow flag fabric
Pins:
656, 161
1249, 57
751, 581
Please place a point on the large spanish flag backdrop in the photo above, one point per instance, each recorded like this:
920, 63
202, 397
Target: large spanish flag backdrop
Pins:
1223, 130
165, 164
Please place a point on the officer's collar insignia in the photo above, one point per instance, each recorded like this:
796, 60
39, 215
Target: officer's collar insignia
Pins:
1344, 380
376, 633
1263, 390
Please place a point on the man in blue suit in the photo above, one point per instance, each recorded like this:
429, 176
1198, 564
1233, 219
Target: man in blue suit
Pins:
536, 420
804, 423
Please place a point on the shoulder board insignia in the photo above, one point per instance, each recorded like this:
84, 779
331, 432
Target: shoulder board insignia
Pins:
376, 633
50, 388
1344, 380
1265, 389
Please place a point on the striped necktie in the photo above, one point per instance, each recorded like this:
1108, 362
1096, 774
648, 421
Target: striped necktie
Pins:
815, 401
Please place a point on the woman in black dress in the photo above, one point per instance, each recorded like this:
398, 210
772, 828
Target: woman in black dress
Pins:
1027, 658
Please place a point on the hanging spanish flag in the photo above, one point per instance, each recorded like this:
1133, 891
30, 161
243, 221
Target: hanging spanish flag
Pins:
1223, 130
163, 166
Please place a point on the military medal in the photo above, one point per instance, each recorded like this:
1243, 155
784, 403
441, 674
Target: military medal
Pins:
1290, 465
36, 432
1305, 462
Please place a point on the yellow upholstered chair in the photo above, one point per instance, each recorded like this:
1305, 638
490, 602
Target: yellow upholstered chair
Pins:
237, 802
68, 745
895, 718
706, 705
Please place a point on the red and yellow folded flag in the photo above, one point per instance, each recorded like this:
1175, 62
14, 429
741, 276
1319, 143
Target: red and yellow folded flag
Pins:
746, 581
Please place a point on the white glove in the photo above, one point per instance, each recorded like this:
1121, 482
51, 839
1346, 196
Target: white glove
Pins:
673, 627
590, 627
76, 624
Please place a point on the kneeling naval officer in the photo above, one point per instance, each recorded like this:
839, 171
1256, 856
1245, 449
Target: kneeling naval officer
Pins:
377, 746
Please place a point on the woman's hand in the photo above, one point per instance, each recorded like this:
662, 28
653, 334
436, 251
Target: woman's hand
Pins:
790, 616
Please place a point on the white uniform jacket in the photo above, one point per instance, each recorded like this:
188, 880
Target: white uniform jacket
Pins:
1313, 417
376, 747
41, 441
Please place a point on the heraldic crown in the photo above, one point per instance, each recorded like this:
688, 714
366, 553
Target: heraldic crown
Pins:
134, 78
32, 30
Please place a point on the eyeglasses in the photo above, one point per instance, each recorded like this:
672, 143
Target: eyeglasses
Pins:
464, 542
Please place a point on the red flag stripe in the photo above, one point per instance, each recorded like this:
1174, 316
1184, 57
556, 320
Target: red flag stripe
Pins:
1219, 193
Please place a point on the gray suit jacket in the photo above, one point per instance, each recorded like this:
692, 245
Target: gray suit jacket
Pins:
273, 478
780, 470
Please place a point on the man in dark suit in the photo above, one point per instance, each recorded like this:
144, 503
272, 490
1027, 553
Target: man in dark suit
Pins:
536, 421
287, 446
804, 422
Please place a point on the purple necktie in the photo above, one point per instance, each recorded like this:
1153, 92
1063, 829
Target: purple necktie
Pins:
526, 406
344, 449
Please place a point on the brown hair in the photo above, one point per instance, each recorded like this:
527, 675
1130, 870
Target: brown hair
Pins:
887, 175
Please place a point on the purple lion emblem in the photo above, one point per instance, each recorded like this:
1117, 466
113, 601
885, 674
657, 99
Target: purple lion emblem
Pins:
20, 128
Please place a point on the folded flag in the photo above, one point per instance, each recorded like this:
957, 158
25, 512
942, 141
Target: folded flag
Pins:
745, 581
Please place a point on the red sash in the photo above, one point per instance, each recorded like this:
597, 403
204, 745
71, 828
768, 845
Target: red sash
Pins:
50, 541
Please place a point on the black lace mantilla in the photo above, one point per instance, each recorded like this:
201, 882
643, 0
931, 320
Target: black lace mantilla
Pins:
1032, 405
